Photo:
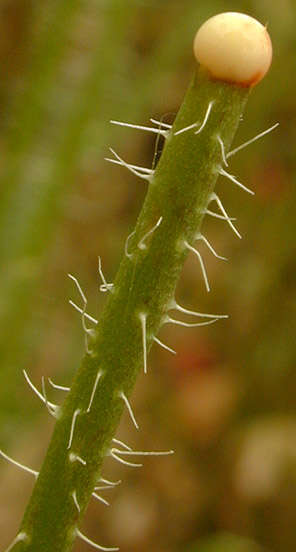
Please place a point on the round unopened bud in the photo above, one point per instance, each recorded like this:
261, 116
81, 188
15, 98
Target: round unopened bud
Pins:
234, 47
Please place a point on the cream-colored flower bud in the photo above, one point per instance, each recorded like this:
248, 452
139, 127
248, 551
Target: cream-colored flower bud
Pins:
234, 47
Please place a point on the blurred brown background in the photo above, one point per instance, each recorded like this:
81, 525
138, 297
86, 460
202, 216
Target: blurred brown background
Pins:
226, 403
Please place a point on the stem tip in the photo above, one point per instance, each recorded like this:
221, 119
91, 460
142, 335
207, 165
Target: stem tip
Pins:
234, 47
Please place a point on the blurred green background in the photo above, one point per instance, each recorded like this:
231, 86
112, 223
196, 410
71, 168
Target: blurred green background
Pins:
226, 403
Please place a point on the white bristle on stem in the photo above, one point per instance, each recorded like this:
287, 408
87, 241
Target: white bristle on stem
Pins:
73, 422
94, 544
210, 247
141, 244
174, 305
161, 123
141, 127
208, 111
21, 537
18, 464
114, 455
74, 496
169, 320
59, 387
202, 266
129, 408
130, 168
105, 286
121, 443
215, 197
101, 499
73, 457
127, 254
224, 157
144, 452
85, 314
218, 216
235, 181
245, 144
54, 407
98, 377
164, 346
110, 483
136, 167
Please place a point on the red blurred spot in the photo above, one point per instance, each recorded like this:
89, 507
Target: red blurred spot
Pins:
271, 182
194, 357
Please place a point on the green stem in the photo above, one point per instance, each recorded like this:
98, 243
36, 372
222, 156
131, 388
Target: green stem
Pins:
143, 293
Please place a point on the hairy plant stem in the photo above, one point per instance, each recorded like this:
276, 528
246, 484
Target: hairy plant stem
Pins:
179, 192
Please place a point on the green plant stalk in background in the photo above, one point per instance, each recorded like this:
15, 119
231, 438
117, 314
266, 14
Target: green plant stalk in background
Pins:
179, 193
30, 206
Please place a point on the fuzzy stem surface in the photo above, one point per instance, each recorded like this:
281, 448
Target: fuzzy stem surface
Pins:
143, 290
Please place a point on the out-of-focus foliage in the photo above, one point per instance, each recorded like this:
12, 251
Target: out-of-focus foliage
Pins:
225, 543
226, 403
